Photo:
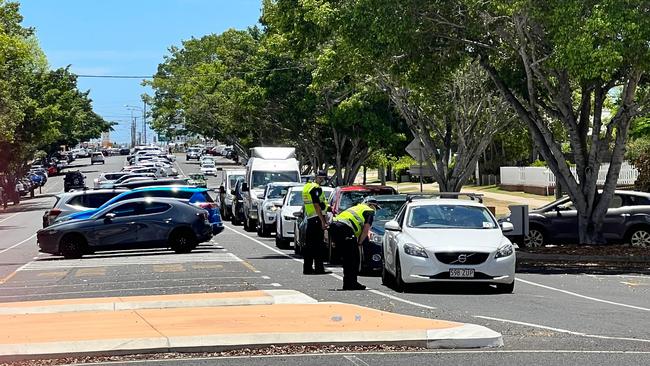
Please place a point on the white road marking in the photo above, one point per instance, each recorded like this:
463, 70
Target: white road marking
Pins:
104, 261
49, 285
15, 245
583, 296
8, 217
559, 330
356, 361
377, 292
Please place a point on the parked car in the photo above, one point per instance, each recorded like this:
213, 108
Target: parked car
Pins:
372, 259
237, 216
193, 153
627, 220
106, 178
270, 203
36, 180
209, 169
228, 182
112, 183
447, 240
153, 182
129, 224
196, 196
300, 223
72, 202
198, 180
74, 180
125, 151
96, 157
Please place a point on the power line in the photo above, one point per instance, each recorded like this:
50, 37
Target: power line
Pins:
90, 76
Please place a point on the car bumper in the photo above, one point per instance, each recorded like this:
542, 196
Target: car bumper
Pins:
372, 256
287, 231
421, 270
217, 228
47, 244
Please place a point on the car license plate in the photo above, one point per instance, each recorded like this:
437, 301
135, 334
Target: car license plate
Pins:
461, 273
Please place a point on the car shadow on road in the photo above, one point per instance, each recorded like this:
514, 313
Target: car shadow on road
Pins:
29, 206
444, 288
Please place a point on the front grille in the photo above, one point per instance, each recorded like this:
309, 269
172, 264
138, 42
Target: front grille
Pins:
456, 258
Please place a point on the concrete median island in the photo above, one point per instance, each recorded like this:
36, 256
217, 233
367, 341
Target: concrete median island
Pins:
214, 322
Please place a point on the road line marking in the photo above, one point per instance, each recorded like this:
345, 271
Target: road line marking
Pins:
177, 267
10, 216
250, 266
15, 245
559, 330
49, 274
356, 361
206, 266
376, 292
7, 278
91, 272
583, 296
52, 274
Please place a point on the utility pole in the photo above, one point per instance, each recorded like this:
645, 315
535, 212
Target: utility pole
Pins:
132, 130
144, 122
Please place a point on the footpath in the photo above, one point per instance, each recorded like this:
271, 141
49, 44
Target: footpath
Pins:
210, 322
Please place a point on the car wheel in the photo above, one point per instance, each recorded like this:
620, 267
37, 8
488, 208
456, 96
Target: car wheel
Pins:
281, 243
260, 229
640, 237
506, 288
400, 285
182, 241
297, 249
535, 238
386, 277
72, 246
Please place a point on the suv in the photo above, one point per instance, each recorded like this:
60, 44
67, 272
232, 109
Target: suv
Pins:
69, 203
96, 157
193, 153
228, 182
73, 180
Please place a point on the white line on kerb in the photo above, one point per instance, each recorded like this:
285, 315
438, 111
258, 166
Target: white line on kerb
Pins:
356, 361
7, 218
583, 296
559, 330
15, 245
376, 292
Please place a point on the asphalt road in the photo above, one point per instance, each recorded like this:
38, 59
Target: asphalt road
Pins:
549, 319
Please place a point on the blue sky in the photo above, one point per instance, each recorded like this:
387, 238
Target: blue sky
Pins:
119, 37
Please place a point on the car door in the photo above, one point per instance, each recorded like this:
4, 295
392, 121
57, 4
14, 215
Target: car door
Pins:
563, 222
618, 213
391, 241
154, 223
118, 231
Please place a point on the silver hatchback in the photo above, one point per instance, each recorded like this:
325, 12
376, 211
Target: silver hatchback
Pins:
71, 202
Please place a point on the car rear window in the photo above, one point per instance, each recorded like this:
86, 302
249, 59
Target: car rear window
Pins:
113, 176
76, 201
96, 200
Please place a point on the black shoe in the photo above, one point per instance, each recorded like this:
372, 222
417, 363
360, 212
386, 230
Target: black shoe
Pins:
356, 286
308, 271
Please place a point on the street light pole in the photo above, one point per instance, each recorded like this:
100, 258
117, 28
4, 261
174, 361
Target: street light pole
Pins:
144, 121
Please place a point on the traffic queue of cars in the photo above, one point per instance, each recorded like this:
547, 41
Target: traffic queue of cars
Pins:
146, 205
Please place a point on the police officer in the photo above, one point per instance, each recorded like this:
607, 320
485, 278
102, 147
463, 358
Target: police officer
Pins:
315, 209
348, 231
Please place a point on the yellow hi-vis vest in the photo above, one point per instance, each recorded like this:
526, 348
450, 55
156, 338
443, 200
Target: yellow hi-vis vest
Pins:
353, 217
310, 207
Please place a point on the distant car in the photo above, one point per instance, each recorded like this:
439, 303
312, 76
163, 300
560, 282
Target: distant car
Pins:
447, 240
109, 184
193, 153
270, 203
627, 220
107, 178
73, 180
237, 215
372, 251
206, 159
209, 169
196, 196
153, 182
125, 151
228, 182
198, 180
96, 157
129, 224
71, 202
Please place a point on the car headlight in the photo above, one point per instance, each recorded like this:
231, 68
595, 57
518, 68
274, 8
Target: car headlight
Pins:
374, 237
415, 250
504, 251
270, 207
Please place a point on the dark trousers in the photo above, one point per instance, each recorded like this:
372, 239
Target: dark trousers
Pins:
313, 253
346, 242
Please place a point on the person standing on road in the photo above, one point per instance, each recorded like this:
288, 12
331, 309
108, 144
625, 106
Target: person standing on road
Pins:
315, 207
348, 231
2, 196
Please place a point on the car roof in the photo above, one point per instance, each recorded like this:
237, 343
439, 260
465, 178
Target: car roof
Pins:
364, 188
170, 187
235, 171
391, 197
284, 184
91, 192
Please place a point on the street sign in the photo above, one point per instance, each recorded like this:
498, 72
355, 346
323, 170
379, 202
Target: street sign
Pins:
418, 151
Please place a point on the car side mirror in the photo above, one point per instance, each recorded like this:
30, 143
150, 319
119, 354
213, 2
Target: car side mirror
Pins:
108, 218
507, 227
244, 187
392, 225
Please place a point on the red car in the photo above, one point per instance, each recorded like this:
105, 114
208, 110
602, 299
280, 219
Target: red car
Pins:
346, 197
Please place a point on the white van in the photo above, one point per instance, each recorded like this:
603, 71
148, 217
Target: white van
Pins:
266, 165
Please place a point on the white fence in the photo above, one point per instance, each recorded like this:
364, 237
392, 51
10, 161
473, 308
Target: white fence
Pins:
543, 177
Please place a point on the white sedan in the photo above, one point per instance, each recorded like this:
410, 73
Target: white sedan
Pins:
209, 169
447, 240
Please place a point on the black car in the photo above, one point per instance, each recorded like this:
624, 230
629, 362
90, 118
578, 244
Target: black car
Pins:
125, 151
130, 224
73, 180
627, 220
372, 247
237, 213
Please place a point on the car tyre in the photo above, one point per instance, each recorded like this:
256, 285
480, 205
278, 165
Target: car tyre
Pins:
400, 285
281, 243
297, 249
639, 237
505, 288
182, 241
535, 238
72, 246
386, 277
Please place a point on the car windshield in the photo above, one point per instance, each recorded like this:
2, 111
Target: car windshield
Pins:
261, 179
388, 210
295, 199
277, 192
233, 179
197, 176
450, 217
209, 166
351, 198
